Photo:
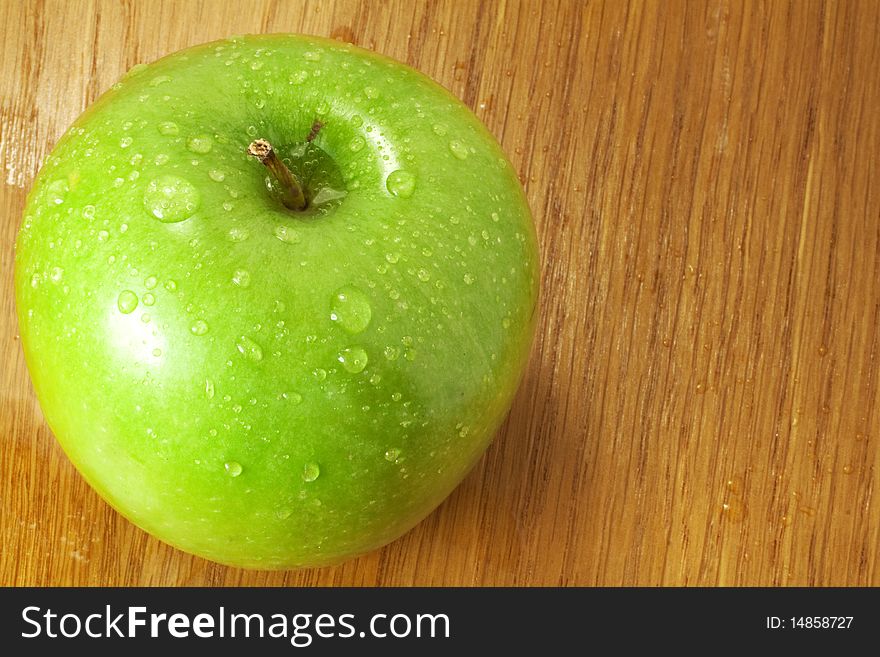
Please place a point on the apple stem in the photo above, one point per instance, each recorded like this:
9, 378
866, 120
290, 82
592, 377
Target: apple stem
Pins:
316, 128
292, 194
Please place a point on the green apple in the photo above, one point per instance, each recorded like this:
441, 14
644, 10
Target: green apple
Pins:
261, 382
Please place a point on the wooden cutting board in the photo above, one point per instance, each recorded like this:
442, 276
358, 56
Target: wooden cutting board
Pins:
701, 406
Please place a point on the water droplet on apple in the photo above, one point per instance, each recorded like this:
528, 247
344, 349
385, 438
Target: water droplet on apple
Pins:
283, 514
391, 352
392, 257
160, 159
353, 359
311, 471
401, 183
209, 389
168, 128
469, 279
150, 282
251, 131
56, 274
356, 144
371, 92
319, 373
127, 302
396, 396
170, 285
241, 278
200, 144
249, 349
157, 352
256, 65
392, 454
159, 79
88, 212
312, 56
298, 77
171, 199
148, 299
199, 327
423, 275
56, 191
287, 234
237, 234
439, 129
216, 175
351, 309
327, 194
125, 142
458, 149
233, 468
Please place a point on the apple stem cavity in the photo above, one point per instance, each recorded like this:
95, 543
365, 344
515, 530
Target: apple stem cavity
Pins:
292, 195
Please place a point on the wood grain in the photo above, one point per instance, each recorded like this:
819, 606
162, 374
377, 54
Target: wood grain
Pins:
701, 406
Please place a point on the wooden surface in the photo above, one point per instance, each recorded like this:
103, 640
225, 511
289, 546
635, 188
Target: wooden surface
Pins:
701, 406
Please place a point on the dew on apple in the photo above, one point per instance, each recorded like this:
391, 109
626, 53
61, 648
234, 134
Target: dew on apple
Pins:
171, 199
88, 212
392, 455
200, 144
237, 234
311, 471
356, 144
159, 79
216, 175
57, 190
125, 142
319, 373
148, 299
241, 278
233, 468
298, 77
287, 234
171, 285
199, 327
127, 302
168, 128
351, 309
353, 359
469, 279
391, 352
56, 274
157, 352
458, 149
401, 183
150, 282
249, 349
209, 389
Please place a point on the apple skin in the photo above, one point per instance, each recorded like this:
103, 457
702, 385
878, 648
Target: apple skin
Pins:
259, 387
